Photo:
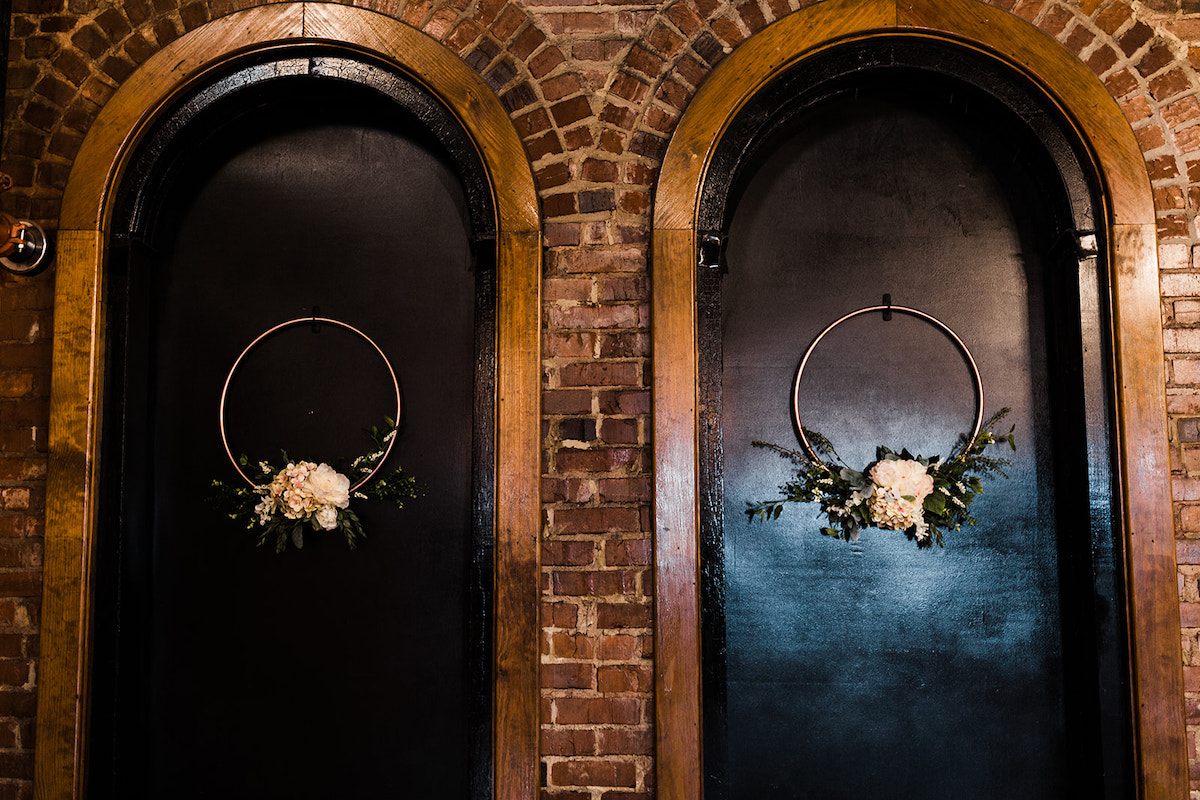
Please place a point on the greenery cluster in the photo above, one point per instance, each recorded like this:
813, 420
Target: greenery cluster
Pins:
394, 487
840, 490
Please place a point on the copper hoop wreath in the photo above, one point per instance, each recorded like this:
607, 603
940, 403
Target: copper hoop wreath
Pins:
932, 320
307, 321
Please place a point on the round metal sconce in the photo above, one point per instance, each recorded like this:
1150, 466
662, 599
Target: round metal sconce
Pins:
24, 249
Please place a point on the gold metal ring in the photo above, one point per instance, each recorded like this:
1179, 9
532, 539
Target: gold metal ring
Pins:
314, 320
932, 320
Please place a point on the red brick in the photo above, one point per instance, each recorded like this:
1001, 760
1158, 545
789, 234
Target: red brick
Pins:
578, 138
664, 40
604, 583
1181, 111
566, 401
625, 678
598, 710
609, 459
568, 742
572, 645
625, 741
545, 62
726, 31
1102, 59
591, 317
1156, 58
595, 520
559, 344
1112, 18
1079, 39
579, 772
1055, 20
572, 110
560, 615
1168, 198
600, 260
751, 15
1150, 138
617, 647
623, 615
629, 402
620, 373
1169, 84
1119, 84
1135, 38
569, 675
568, 553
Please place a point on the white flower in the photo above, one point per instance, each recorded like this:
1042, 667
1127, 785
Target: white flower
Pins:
326, 517
904, 477
329, 487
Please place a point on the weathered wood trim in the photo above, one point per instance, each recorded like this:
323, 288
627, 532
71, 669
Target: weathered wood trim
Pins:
1145, 500
78, 369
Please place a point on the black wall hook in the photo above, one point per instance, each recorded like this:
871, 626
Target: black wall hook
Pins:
887, 312
316, 312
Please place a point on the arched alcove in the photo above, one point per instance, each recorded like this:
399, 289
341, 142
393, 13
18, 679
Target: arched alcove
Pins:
237, 84
899, 168
743, 103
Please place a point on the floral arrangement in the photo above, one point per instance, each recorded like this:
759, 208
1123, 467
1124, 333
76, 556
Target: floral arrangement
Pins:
898, 491
306, 494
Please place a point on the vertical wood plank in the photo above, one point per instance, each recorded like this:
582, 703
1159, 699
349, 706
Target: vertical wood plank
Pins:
676, 518
1149, 525
70, 505
518, 516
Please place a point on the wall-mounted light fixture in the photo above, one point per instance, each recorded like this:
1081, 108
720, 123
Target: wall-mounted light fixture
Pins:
24, 248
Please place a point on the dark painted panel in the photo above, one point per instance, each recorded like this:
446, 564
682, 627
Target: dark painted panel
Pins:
838, 670
322, 672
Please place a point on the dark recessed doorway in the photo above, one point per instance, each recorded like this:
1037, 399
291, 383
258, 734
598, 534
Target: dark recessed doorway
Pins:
302, 186
992, 668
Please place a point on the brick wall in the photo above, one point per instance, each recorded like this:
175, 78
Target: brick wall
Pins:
595, 89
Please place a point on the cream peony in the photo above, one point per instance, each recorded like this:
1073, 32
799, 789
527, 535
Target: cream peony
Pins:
903, 477
329, 487
326, 517
896, 480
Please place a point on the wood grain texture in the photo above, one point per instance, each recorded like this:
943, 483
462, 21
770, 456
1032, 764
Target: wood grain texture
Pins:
518, 518
676, 516
79, 351
70, 510
1149, 525
1133, 268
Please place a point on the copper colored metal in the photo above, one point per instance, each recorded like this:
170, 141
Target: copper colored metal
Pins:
886, 310
313, 320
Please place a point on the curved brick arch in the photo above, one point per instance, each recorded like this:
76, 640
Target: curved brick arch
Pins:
84, 60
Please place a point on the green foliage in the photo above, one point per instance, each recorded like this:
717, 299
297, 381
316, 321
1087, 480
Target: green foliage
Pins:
843, 492
393, 487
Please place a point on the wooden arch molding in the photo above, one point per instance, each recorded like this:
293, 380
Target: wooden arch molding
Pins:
1132, 263
79, 365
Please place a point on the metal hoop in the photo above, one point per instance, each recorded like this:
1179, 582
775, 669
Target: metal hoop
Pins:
943, 327
314, 320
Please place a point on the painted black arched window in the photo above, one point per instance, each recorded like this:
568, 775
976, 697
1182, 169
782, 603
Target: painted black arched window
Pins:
995, 667
306, 184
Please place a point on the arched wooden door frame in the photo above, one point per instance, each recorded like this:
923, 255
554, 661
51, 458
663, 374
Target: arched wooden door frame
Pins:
79, 365
1139, 393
